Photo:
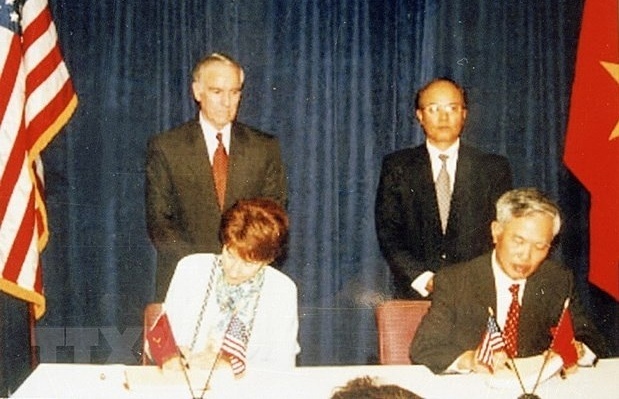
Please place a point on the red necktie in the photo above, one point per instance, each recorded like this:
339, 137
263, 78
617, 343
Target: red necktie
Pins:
510, 332
220, 171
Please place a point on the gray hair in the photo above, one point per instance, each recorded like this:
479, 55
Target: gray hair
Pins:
524, 202
212, 58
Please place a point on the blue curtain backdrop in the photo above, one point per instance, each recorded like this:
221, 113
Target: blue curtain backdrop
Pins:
335, 81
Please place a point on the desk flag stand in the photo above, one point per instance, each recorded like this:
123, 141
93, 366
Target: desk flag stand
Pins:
562, 344
162, 347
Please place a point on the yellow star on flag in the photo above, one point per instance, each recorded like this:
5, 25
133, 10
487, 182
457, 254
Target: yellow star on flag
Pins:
613, 70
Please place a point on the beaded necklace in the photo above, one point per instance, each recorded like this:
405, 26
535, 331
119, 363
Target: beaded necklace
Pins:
230, 299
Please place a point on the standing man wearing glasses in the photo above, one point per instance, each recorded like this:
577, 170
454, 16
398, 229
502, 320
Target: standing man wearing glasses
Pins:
434, 202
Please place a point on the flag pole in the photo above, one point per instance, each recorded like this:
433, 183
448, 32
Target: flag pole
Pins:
33, 342
514, 368
210, 374
555, 334
546, 357
185, 366
212, 369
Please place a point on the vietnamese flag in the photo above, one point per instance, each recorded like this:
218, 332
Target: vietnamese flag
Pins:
563, 341
161, 342
592, 138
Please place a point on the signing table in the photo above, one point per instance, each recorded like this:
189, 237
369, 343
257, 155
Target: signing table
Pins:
121, 381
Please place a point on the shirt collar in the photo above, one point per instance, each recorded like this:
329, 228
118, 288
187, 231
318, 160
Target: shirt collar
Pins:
451, 152
502, 281
452, 160
210, 135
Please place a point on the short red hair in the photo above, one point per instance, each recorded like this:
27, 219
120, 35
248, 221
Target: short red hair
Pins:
256, 229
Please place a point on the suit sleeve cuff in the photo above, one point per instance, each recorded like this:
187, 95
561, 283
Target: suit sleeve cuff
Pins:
588, 359
421, 282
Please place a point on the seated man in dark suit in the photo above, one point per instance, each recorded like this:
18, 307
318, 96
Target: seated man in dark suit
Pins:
448, 338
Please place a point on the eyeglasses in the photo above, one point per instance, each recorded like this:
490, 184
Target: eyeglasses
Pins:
447, 108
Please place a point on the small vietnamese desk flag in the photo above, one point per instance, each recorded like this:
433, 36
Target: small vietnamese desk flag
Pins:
161, 342
563, 341
592, 138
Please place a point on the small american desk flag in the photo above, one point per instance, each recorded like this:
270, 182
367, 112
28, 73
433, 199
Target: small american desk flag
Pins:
235, 343
491, 342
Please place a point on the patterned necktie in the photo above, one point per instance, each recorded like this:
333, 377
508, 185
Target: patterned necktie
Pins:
510, 332
220, 171
443, 192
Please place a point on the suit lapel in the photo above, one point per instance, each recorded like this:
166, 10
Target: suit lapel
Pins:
483, 286
197, 161
461, 193
537, 295
236, 163
427, 191
463, 174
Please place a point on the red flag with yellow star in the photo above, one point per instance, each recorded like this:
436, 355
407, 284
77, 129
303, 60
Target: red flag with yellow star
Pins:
161, 343
563, 341
592, 138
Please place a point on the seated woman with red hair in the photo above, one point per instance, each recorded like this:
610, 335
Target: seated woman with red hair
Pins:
234, 309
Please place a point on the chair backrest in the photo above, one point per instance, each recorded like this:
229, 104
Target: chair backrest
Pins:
397, 321
151, 312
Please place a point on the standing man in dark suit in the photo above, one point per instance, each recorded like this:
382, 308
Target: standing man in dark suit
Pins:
516, 271
434, 202
197, 170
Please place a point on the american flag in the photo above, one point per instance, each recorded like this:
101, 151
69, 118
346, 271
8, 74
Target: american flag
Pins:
36, 101
235, 343
491, 342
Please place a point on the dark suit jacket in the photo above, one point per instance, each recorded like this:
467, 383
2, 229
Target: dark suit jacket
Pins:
407, 217
182, 214
458, 315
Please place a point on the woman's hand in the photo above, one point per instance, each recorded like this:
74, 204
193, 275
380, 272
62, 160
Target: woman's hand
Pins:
202, 360
177, 362
173, 364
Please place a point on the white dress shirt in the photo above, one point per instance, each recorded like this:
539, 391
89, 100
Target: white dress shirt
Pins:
437, 164
502, 282
421, 282
210, 136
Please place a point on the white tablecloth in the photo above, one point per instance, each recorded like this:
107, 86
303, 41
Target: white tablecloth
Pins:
121, 381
